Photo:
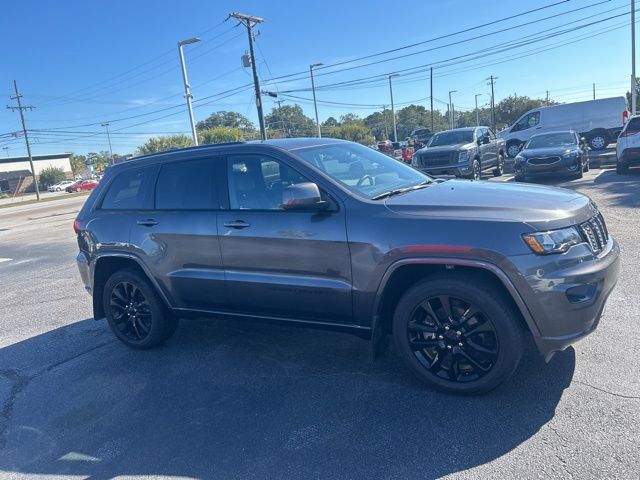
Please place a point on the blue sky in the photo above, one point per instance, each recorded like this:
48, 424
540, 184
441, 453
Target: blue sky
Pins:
86, 62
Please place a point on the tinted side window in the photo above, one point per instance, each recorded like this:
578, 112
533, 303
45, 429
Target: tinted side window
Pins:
257, 183
187, 185
129, 190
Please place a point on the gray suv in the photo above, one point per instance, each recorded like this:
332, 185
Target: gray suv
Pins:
331, 234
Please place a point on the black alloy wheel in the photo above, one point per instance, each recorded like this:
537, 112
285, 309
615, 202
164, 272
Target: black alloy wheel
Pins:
130, 311
136, 314
453, 339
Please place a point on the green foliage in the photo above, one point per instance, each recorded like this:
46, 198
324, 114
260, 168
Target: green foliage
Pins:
354, 133
351, 118
508, 110
50, 176
167, 142
330, 123
227, 120
380, 124
78, 163
290, 121
220, 135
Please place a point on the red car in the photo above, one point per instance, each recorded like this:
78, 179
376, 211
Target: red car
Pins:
81, 185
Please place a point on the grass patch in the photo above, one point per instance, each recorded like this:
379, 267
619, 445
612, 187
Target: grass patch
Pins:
43, 200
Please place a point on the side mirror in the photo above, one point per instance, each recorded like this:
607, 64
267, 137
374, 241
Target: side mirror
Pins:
303, 196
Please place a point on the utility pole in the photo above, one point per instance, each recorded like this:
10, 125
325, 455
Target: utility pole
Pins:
547, 97
6, 149
21, 108
250, 21
594, 91
634, 89
477, 112
384, 118
187, 87
315, 103
106, 126
431, 97
279, 102
393, 110
492, 80
451, 109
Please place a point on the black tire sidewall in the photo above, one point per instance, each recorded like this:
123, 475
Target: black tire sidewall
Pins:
160, 321
604, 137
503, 317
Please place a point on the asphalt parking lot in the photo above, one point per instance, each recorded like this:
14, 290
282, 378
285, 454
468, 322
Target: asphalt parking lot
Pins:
236, 400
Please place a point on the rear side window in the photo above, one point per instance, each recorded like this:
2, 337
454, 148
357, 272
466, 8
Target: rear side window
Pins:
634, 125
187, 185
129, 190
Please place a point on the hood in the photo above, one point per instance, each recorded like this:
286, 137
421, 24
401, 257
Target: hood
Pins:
539, 206
548, 152
444, 148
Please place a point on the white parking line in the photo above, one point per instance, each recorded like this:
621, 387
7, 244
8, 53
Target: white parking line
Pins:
2, 259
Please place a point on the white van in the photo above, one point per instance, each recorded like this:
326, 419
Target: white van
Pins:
599, 121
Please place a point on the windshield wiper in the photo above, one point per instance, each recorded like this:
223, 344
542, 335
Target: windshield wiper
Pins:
398, 191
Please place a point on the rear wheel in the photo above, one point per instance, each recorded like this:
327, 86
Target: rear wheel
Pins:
136, 314
458, 334
598, 141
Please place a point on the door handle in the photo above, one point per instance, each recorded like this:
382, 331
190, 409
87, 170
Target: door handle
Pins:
237, 224
149, 222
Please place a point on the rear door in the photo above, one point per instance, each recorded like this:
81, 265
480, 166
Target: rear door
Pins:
279, 262
178, 239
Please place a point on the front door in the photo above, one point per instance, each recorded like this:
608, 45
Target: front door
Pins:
178, 239
279, 262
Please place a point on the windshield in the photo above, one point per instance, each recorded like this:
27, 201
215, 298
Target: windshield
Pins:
452, 137
362, 170
561, 139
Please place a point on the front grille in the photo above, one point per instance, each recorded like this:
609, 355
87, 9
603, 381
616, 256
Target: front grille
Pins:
441, 159
595, 233
543, 160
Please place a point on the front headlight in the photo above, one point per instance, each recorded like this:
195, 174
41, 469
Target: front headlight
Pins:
463, 156
518, 159
553, 241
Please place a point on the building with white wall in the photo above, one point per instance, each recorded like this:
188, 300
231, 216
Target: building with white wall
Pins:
15, 172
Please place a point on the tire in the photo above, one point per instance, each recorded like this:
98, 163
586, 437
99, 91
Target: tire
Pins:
586, 167
485, 359
151, 324
499, 170
580, 173
519, 178
513, 148
598, 141
476, 170
622, 169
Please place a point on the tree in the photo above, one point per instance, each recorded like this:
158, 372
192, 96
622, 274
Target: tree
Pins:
50, 176
291, 121
220, 135
168, 142
509, 109
354, 132
78, 164
100, 161
351, 118
380, 124
330, 123
228, 120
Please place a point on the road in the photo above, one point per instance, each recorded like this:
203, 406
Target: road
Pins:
225, 400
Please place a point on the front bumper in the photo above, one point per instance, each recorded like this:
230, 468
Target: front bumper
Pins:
458, 170
566, 294
563, 167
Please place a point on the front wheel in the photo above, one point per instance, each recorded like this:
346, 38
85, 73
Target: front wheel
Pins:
136, 314
513, 148
499, 170
476, 170
458, 333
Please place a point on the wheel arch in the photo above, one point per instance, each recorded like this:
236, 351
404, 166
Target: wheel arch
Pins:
404, 273
105, 265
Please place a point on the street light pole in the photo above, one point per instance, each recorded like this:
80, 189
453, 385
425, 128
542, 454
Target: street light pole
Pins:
477, 113
634, 93
393, 110
6, 149
315, 103
106, 126
187, 87
450, 109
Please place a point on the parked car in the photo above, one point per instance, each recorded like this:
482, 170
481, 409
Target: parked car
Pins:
599, 121
463, 152
628, 146
331, 234
60, 186
420, 137
385, 146
553, 153
407, 154
82, 185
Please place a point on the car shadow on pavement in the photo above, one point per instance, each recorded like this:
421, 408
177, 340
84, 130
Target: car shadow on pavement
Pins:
619, 190
245, 400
